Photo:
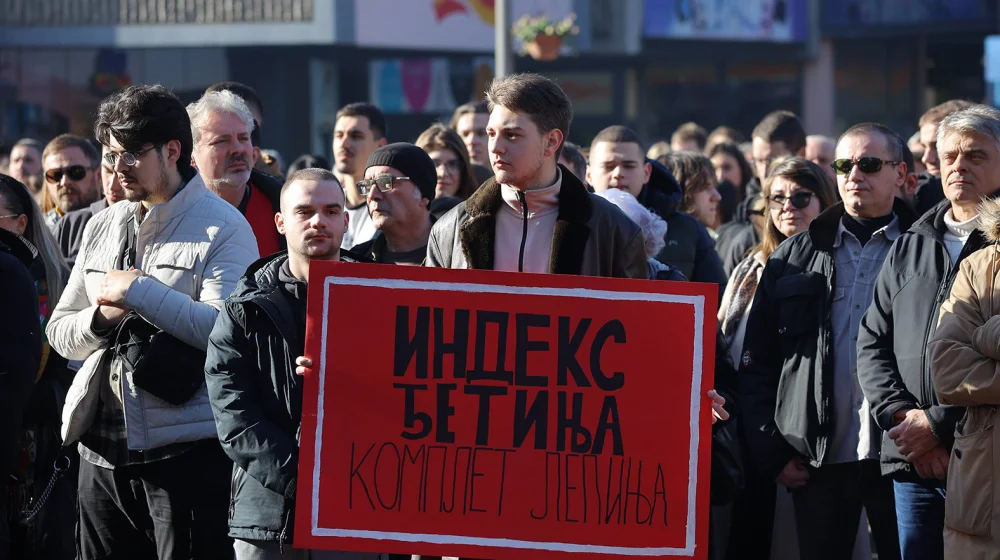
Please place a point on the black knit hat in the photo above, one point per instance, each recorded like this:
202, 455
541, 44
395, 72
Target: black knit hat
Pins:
411, 161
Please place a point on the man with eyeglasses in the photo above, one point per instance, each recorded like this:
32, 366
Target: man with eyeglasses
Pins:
70, 165
894, 364
69, 230
816, 432
399, 185
154, 480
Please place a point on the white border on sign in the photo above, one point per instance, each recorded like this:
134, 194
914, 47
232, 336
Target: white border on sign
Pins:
698, 302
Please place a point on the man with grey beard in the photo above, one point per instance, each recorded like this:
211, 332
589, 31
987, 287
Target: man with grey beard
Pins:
221, 124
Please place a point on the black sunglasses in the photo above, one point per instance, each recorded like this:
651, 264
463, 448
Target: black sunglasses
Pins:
800, 199
865, 164
74, 172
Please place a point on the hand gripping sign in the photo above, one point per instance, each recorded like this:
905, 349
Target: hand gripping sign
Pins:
498, 415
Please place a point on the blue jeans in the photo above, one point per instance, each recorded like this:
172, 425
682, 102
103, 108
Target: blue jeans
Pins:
920, 517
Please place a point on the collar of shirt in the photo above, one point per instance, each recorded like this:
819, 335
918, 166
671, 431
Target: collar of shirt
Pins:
891, 232
540, 202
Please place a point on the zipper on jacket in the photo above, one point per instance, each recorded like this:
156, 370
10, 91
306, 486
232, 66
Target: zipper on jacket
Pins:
524, 230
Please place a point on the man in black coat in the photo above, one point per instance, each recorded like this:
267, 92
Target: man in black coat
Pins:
893, 361
617, 162
256, 395
20, 354
807, 421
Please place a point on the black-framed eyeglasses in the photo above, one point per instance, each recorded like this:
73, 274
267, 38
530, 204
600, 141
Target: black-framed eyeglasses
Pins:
865, 164
74, 172
799, 199
128, 158
384, 183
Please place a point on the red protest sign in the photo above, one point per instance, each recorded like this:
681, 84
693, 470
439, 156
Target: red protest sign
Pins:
496, 415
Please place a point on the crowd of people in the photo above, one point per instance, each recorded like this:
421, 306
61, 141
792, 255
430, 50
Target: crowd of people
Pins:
154, 310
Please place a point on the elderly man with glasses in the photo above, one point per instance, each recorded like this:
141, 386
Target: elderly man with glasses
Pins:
399, 187
816, 433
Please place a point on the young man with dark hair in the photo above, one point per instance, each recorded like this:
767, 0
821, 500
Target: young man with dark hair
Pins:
469, 121
572, 159
70, 165
779, 134
617, 162
154, 485
255, 393
808, 423
535, 216
689, 137
359, 130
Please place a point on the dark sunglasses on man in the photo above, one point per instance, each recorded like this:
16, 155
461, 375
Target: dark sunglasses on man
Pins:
383, 183
799, 199
74, 172
865, 164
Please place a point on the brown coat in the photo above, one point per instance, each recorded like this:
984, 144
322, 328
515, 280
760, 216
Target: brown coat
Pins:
965, 354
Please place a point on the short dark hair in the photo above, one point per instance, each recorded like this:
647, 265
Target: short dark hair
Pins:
306, 161
908, 159
309, 174
937, 113
536, 96
782, 126
618, 134
141, 114
246, 92
65, 141
690, 131
376, 120
479, 107
694, 173
572, 154
894, 142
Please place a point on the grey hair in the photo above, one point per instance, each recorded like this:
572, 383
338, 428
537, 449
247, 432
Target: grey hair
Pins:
977, 119
218, 102
654, 229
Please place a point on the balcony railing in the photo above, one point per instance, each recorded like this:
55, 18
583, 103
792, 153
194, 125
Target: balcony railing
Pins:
144, 12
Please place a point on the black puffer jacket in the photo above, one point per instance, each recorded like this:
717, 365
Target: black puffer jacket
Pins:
893, 360
257, 398
786, 371
689, 246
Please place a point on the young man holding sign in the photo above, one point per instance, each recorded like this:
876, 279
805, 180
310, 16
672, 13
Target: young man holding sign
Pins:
255, 395
534, 215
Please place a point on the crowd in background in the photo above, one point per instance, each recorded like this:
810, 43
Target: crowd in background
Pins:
155, 280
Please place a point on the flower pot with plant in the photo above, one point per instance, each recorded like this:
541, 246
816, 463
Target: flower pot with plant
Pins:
542, 38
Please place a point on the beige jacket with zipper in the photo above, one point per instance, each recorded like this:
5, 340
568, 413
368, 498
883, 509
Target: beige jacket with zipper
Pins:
965, 355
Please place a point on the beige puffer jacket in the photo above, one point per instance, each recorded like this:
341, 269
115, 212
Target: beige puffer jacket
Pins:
965, 356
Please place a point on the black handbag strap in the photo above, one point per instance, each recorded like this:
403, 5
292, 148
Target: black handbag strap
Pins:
126, 252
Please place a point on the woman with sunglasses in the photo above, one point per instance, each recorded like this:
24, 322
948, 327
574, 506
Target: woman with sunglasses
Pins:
795, 192
41, 444
451, 159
